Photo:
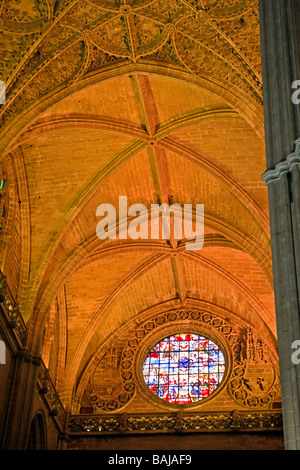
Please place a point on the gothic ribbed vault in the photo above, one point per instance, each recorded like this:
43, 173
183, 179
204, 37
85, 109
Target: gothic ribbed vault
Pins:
161, 101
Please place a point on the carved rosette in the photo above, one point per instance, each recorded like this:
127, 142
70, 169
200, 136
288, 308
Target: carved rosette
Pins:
251, 378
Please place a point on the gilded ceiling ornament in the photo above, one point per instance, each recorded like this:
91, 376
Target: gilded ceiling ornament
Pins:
125, 9
202, 16
86, 34
213, 38
170, 28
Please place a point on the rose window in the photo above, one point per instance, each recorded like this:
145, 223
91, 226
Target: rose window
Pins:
184, 368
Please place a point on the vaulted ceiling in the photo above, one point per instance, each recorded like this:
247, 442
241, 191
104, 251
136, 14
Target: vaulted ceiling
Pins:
158, 100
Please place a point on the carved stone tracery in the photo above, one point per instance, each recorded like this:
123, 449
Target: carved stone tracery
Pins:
251, 379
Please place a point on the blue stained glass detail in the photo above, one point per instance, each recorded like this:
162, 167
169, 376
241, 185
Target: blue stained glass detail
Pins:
184, 368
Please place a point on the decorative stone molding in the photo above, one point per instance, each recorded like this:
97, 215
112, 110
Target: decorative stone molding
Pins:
118, 375
3, 286
246, 385
12, 313
47, 389
25, 355
284, 167
176, 422
125, 9
47, 52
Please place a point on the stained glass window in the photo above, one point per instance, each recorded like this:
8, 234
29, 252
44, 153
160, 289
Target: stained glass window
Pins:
184, 368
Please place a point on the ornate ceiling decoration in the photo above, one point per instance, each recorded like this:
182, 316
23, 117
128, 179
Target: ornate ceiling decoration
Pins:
51, 48
47, 46
253, 381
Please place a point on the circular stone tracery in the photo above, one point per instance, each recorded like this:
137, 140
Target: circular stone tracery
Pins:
250, 376
184, 368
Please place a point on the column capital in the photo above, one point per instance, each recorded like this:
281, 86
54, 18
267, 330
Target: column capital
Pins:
283, 167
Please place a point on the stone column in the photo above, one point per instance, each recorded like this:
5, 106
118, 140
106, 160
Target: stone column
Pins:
20, 401
280, 36
20, 387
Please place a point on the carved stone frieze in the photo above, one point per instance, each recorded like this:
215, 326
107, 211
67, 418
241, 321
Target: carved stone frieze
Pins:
196, 422
12, 312
51, 396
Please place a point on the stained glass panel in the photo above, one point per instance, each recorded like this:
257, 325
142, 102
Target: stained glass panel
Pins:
184, 368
